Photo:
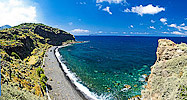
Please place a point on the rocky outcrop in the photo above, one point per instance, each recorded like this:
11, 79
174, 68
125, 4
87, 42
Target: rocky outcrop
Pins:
56, 36
23, 50
168, 78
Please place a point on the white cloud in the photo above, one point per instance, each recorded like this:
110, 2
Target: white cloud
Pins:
82, 3
163, 20
152, 21
113, 32
149, 9
182, 24
132, 26
99, 32
107, 9
178, 27
139, 33
176, 32
165, 32
184, 28
173, 25
70, 23
79, 31
14, 12
111, 1
99, 6
124, 32
152, 27
127, 10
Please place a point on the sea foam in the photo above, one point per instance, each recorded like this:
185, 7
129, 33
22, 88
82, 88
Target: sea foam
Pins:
75, 80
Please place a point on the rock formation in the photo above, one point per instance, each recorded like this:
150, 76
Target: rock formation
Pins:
168, 78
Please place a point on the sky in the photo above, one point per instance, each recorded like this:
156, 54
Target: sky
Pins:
101, 17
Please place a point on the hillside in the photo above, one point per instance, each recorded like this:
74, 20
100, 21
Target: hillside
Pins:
168, 78
22, 50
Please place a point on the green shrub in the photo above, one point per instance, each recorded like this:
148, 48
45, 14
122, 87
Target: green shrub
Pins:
43, 78
15, 55
43, 85
39, 71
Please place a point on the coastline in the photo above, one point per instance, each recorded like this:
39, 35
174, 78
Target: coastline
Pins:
62, 87
83, 91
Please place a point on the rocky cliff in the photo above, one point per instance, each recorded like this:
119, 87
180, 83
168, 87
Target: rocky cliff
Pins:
168, 78
22, 50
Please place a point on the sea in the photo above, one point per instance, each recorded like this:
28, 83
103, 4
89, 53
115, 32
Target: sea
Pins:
104, 66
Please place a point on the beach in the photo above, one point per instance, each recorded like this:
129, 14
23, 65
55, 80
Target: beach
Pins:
61, 87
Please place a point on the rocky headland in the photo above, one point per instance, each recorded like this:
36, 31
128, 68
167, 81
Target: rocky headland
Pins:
22, 51
168, 78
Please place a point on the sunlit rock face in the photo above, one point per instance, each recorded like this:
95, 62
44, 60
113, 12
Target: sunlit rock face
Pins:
168, 78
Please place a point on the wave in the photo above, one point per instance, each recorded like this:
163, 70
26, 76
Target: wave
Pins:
76, 81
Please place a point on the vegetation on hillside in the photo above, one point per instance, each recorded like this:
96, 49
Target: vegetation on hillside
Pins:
22, 49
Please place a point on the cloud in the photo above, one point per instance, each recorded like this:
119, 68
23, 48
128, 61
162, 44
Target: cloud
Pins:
139, 33
70, 23
82, 3
182, 24
127, 10
181, 27
14, 12
184, 28
99, 32
152, 21
124, 32
107, 9
149, 9
163, 20
132, 26
111, 1
79, 31
113, 32
165, 32
177, 33
173, 25
99, 6
152, 27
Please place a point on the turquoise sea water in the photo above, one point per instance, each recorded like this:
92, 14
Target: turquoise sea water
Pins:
106, 63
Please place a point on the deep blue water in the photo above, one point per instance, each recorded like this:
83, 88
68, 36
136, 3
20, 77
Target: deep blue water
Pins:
106, 63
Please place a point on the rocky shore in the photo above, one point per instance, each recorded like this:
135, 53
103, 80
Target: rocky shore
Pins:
60, 86
168, 78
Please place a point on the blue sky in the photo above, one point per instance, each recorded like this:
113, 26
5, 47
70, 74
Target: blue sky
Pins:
104, 17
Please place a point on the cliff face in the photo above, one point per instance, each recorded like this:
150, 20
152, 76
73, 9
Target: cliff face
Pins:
168, 78
56, 36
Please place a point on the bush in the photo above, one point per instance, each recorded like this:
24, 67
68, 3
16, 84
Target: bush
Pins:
39, 71
43, 85
43, 78
15, 55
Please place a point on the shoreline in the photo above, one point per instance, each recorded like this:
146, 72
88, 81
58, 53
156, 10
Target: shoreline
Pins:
85, 93
62, 87
68, 79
